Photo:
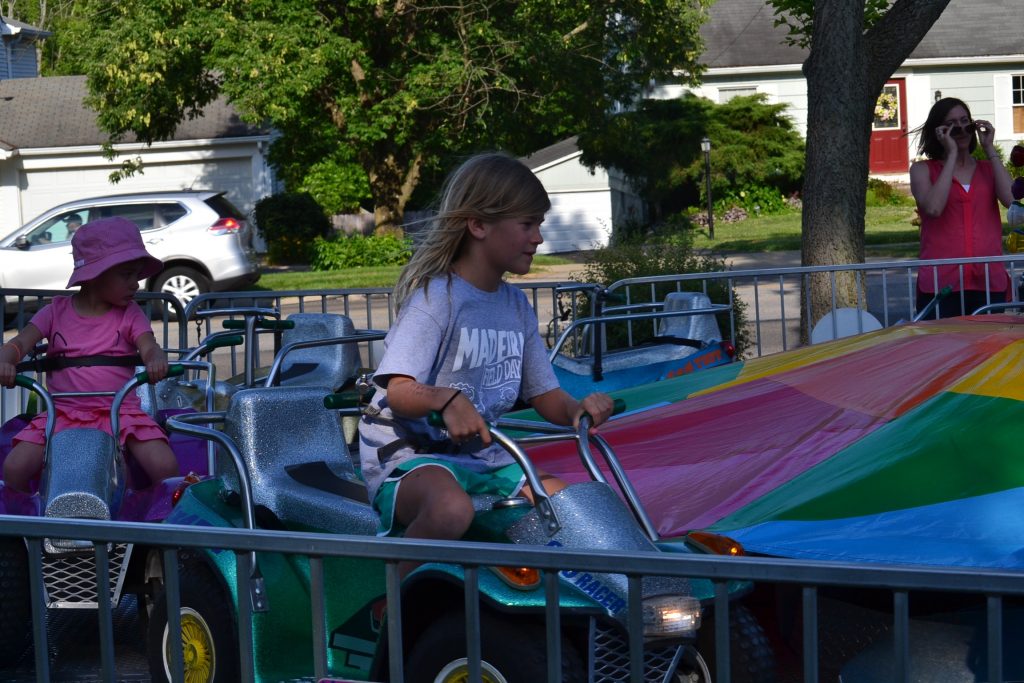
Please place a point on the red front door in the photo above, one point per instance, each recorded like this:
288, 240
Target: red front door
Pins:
889, 142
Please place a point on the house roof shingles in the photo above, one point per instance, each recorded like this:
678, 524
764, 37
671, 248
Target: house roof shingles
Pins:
48, 112
559, 150
741, 33
24, 28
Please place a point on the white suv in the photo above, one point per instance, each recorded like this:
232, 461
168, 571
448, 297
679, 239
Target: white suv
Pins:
204, 242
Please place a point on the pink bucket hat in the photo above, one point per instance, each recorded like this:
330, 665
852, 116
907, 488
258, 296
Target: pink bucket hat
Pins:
102, 244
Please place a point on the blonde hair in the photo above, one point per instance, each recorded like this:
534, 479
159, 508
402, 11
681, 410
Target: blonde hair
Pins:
490, 186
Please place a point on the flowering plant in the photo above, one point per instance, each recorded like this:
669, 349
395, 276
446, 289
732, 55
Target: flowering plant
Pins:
886, 107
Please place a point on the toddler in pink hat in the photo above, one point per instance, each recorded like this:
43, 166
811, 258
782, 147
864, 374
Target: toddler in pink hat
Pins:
101, 319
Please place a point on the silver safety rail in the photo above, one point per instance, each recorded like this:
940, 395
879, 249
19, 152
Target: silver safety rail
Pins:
772, 296
808, 576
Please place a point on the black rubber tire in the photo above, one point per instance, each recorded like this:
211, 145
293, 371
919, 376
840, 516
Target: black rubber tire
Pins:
751, 657
208, 610
182, 282
15, 607
514, 649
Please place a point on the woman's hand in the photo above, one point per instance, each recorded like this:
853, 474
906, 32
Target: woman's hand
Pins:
986, 135
946, 140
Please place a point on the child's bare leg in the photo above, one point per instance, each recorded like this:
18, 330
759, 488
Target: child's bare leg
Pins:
550, 482
155, 457
431, 504
23, 462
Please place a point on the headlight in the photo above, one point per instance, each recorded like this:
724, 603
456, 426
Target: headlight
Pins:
671, 615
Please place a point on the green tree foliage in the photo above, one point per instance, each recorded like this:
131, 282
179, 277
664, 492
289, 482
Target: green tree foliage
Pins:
290, 222
60, 17
657, 145
389, 87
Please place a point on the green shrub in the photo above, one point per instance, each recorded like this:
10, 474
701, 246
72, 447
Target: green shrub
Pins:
665, 250
289, 222
757, 201
357, 250
881, 193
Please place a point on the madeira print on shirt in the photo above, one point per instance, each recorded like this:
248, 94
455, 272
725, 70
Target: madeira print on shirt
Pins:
499, 351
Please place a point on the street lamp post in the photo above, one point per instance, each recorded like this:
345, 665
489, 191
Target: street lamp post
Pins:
705, 146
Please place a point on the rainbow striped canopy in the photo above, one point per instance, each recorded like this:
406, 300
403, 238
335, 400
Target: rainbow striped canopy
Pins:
900, 446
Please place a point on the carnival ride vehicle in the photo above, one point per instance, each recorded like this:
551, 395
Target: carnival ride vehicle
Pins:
85, 476
684, 337
303, 479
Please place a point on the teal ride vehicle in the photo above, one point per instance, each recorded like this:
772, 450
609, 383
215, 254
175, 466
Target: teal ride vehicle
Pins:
302, 479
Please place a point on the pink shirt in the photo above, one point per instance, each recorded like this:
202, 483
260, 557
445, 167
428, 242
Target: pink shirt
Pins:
70, 334
969, 226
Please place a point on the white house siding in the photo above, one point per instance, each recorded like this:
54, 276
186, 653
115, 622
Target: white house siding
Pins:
35, 180
984, 84
581, 205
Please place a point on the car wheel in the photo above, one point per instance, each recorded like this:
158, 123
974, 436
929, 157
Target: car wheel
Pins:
15, 608
182, 283
511, 652
751, 658
207, 628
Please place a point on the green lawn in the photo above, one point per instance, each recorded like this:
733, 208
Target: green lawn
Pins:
885, 225
385, 276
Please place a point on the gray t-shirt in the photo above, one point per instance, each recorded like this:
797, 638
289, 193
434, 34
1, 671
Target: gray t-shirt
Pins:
485, 344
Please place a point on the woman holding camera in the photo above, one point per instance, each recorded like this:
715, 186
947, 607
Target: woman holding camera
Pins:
957, 199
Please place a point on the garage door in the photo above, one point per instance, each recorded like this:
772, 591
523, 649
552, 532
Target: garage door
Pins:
577, 221
45, 188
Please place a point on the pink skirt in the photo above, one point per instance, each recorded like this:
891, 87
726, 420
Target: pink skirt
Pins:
133, 422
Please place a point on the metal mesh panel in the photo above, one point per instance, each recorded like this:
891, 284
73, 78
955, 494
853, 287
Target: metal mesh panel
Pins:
609, 654
71, 579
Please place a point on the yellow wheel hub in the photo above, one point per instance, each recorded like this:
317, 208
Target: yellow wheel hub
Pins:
199, 654
458, 672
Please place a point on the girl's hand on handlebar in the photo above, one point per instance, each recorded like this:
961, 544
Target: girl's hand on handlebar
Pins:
153, 357
464, 422
599, 406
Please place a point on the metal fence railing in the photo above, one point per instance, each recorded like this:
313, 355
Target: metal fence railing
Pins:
769, 301
809, 577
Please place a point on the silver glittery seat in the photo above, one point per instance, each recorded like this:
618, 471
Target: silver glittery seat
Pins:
331, 365
702, 327
297, 460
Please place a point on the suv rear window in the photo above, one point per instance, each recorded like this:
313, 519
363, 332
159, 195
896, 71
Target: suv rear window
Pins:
224, 208
170, 212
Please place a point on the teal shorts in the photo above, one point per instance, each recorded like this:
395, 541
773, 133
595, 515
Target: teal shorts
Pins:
503, 482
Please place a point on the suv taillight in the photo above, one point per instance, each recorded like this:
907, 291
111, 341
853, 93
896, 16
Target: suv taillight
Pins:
225, 226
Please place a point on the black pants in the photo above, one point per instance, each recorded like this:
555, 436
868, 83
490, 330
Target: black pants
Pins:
950, 306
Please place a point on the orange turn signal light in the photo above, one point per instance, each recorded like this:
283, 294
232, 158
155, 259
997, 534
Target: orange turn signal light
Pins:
523, 578
716, 544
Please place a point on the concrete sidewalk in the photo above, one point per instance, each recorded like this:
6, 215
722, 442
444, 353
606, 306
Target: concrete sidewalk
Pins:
734, 261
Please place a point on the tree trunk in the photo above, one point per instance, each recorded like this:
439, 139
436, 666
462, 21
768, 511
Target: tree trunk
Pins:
392, 182
845, 73
837, 160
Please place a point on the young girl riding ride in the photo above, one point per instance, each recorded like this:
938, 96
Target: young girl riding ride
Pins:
465, 344
100, 319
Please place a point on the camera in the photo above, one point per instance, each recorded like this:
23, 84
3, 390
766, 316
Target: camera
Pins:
957, 130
